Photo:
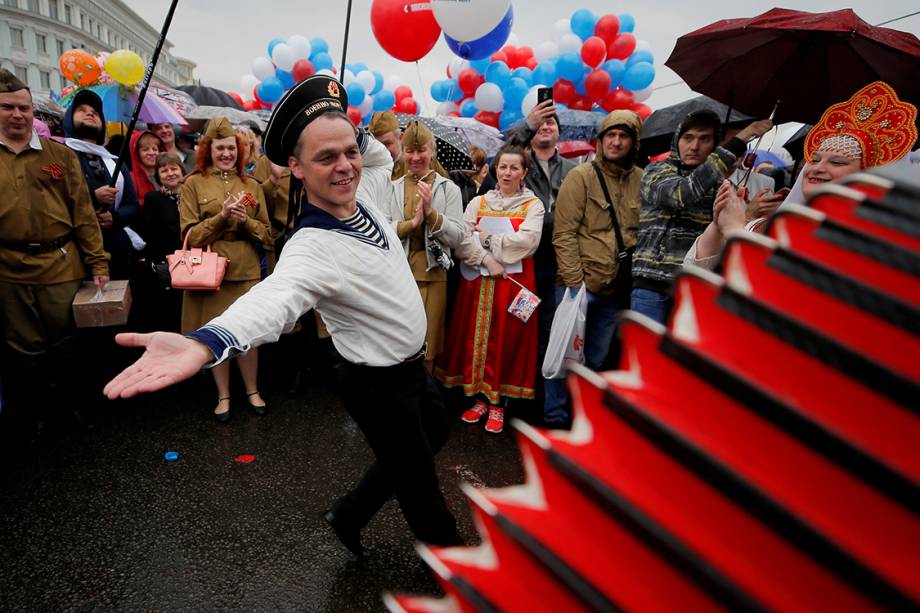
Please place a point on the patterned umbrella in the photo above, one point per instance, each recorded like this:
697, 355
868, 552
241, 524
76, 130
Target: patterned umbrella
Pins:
573, 125
484, 136
453, 147
201, 114
118, 103
179, 100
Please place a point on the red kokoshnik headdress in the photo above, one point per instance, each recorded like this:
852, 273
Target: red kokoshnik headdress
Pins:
882, 125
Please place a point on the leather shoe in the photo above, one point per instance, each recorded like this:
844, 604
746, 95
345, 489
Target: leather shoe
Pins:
351, 540
225, 416
258, 409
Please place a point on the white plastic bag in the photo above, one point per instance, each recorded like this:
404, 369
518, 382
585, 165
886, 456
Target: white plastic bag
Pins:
567, 337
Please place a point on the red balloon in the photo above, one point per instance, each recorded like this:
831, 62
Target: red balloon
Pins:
500, 56
531, 63
607, 27
302, 69
581, 103
525, 52
514, 56
255, 95
490, 119
407, 105
622, 47
563, 91
643, 110
468, 80
593, 51
250, 105
236, 97
618, 99
403, 91
597, 84
454, 114
392, 19
354, 113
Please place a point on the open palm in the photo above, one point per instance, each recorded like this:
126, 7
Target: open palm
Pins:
168, 359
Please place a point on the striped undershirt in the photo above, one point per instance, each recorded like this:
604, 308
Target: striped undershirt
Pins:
360, 222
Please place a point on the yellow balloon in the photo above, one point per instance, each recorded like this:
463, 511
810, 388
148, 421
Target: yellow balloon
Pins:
125, 67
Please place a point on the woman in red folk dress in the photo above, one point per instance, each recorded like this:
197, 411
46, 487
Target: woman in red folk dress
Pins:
491, 353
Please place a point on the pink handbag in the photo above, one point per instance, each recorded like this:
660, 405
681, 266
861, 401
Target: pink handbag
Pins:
196, 269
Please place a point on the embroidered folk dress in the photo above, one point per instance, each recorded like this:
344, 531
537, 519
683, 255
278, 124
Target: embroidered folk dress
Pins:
489, 351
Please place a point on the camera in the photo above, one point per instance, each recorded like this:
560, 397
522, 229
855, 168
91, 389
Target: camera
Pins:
443, 260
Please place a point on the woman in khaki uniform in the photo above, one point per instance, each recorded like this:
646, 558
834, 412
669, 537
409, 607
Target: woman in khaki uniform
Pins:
221, 207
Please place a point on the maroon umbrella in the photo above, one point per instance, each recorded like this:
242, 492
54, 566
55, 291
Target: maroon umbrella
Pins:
807, 61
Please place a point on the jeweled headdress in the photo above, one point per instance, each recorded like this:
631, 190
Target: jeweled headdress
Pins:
882, 125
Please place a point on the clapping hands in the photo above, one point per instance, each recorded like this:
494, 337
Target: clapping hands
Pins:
234, 208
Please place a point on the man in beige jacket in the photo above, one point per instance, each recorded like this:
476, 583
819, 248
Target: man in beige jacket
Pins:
588, 250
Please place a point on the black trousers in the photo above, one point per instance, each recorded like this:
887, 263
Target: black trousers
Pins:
402, 415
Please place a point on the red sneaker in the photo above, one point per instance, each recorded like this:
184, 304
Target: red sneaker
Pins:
496, 420
475, 413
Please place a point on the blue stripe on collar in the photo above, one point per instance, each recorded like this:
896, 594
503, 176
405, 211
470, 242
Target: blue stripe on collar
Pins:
311, 216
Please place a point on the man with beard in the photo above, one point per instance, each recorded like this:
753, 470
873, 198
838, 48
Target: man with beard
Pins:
594, 233
49, 243
116, 207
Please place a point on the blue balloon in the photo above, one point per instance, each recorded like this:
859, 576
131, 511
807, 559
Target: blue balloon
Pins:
468, 108
480, 65
627, 23
515, 92
270, 90
318, 45
485, 46
638, 76
498, 73
615, 68
359, 67
569, 66
524, 73
454, 93
384, 100
367, 118
439, 91
508, 118
643, 55
356, 93
579, 83
582, 23
544, 73
286, 78
272, 44
378, 83
322, 61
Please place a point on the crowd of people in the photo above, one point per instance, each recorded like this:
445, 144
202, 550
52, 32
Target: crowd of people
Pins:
409, 268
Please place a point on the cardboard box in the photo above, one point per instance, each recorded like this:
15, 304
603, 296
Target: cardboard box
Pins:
95, 309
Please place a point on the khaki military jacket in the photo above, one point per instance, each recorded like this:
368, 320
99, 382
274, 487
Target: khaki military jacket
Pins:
45, 198
200, 202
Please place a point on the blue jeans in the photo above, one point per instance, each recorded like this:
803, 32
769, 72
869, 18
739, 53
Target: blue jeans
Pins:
653, 305
600, 324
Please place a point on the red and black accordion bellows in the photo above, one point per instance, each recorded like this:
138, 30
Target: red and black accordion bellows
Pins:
761, 452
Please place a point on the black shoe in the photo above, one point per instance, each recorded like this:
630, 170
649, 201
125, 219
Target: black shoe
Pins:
351, 540
225, 416
258, 409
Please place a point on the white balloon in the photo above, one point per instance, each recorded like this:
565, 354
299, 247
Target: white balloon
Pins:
348, 77
457, 65
570, 42
366, 79
469, 19
513, 40
489, 97
262, 68
546, 51
530, 100
446, 108
248, 83
367, 105
326, 71
643, 45
300, 46
561, 28
283, 57
393, 81
641, 95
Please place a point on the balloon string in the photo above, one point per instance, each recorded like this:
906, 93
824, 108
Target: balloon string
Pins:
423, 90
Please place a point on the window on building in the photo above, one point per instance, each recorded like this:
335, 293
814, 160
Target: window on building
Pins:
68, 14
16, 38
41, 43
22, 74
82, 21
98, 31
53, 9
32, 5
12, 3
46, 79
60, 48
110, 37
62, 83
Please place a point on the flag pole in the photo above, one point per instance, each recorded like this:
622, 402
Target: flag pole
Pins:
148, 76
345, 43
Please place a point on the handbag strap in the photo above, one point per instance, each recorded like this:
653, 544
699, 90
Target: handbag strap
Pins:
622, 253
185, 242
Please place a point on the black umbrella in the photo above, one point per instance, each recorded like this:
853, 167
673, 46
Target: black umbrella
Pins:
796, 143
658, 130
453, 147
210, 96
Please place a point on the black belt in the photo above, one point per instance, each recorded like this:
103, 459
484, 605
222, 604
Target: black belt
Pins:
419, 355
34, 248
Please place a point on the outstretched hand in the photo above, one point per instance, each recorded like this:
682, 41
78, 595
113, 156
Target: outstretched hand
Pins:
168, 359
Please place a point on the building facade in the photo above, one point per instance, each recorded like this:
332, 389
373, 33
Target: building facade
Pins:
34, 34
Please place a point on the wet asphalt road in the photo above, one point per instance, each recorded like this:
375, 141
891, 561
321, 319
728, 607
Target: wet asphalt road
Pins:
98, 520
